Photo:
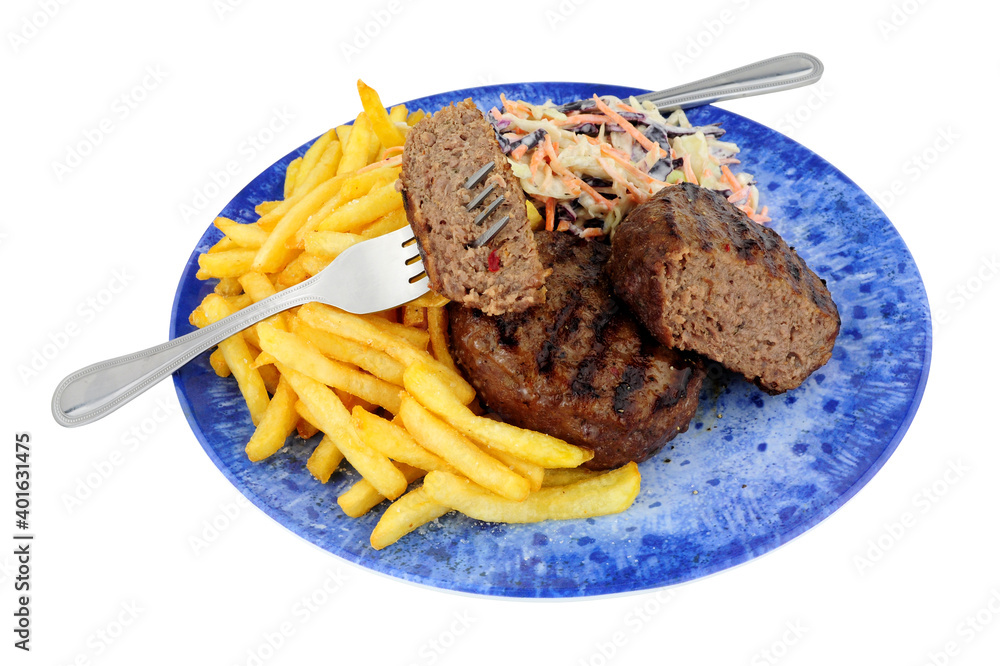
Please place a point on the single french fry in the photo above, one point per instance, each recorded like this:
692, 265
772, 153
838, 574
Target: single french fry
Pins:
383, 126
355, 214
257, 286
329, 244
529, 445
275, 425
238, 358
397, 114
218, 363
367, 332
389, 222
294, 352
362, 497
229, 263
291, 173
270, 219
356, 146
608, 493
312, 156
406, 514
437, 328
441, 439
245, 235
265, 207
325, 459
335, 421
395, 442
222, 245
341, 349
273, 254
414, 315
415, 117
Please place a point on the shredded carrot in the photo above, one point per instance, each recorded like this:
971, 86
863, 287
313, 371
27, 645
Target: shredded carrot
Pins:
592, 232
563, 226
391, 162
392, 150
761, 217
519, 152
550, 213
734, 184
537, 159
629, 107
630, 128
688, 171
495, 112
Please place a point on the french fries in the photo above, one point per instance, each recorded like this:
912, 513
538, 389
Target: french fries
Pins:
318, 373
611, 492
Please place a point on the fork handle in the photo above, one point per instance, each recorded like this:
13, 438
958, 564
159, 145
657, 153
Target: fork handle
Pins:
783, 72
93, 392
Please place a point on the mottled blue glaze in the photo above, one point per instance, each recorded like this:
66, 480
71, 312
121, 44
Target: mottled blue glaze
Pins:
765, 468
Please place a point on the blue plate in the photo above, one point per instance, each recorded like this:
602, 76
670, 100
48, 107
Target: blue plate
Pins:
753, 471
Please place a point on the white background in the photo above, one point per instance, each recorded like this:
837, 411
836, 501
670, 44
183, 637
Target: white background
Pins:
903, 80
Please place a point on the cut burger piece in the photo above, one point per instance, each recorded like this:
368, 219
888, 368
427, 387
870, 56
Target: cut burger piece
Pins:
579, 367
441, 152
704, 277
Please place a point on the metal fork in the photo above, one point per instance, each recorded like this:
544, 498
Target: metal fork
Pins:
371, 276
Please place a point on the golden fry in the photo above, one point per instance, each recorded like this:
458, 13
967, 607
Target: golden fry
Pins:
383, 126
608, 493
228, 263
325, 459
244, 235
330, 244
312, 157
275, 425
291, 173
437, 328
356, 146
406, 514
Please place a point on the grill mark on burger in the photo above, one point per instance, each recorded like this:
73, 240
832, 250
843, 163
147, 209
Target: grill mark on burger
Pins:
556, 332
633, 379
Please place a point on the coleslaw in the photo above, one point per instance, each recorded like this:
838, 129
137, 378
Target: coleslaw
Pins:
589, 166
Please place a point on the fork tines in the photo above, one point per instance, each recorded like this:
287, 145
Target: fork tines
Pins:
495, 228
